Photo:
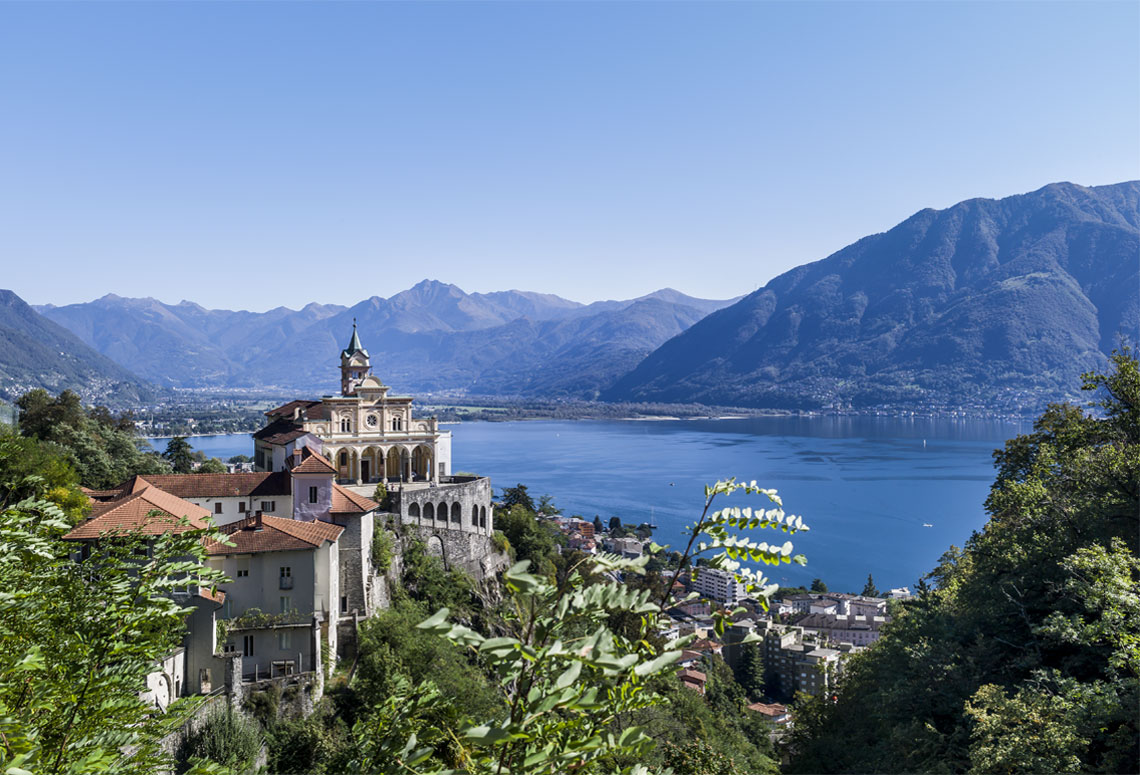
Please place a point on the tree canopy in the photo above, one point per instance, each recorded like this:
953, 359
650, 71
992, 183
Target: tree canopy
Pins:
1020, 653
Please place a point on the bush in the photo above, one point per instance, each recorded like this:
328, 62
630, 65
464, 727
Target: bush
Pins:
500, 542
381, 551
225, 737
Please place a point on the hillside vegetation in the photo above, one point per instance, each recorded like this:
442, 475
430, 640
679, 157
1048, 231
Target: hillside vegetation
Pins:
1024, 654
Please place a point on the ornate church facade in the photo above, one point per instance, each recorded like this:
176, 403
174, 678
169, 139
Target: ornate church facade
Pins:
368, 434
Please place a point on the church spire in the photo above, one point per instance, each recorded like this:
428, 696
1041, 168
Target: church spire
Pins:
354, 345
354, 364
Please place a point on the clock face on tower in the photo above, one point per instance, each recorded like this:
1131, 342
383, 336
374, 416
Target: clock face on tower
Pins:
370, 421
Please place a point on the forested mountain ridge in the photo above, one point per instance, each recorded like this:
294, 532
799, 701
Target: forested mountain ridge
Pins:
431, 337
38, 353
1015, 297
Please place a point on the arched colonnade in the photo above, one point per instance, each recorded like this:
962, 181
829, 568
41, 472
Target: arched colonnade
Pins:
387, 463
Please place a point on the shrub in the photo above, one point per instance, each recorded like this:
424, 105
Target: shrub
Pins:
381, 551
225, 737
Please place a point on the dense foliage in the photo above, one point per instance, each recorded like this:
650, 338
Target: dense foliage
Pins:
77, 640
101, 447
1024, 655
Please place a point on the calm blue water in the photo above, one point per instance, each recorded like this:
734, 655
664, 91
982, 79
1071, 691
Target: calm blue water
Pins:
865, 485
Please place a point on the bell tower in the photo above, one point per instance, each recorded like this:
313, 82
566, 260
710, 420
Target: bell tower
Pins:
354, 364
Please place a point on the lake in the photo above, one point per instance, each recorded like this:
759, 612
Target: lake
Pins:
865, 485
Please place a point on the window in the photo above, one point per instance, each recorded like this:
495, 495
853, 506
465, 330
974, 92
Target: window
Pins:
247, 645
397, 424
269, 505
344, 458
286, 604
345, 425
371, 420
218, 507
284, 641
241, 507
286, 578
243, 567
312, 495
344, 602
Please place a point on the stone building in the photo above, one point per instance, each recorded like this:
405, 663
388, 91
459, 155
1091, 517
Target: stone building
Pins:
368, 434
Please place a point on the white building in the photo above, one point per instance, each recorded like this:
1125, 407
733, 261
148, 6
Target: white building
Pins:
718, 585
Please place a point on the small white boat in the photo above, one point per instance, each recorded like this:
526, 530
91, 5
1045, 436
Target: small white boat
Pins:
927, 524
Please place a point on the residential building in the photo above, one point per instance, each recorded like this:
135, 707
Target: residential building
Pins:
718, 585
845, 628
284, 593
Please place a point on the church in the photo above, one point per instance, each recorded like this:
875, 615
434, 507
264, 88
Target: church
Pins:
370, 435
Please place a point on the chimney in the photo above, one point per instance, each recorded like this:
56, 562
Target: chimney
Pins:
257, 519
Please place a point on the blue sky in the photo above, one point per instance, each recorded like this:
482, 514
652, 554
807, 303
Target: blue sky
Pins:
250, 155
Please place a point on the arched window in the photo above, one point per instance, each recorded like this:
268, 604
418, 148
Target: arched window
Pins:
474, 515
455, 514
345, 425
344, 458
414, 510
442, 512
482, 516
429, 511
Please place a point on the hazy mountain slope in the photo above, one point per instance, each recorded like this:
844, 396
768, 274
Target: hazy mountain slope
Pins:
38, 353
987, 301
433, 336
183, 344
572, 357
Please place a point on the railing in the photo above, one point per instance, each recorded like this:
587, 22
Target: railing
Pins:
286, 582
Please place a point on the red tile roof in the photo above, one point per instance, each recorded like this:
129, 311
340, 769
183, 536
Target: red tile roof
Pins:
772, 711
286, 410
218, 597
273, 535
148, 510
280, 432
314, 464
216, 485
345, 501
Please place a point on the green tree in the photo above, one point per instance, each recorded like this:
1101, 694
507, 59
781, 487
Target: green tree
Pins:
239, 459
103, 449
869, 589
615, 524
569, 679
180, 454
77, 642
529, 538
750, 671
212, 466
546, 506
599, 528
818, 585
517, 496
1020, 654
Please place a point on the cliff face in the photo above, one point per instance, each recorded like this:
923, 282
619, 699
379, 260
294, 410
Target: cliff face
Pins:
1015, 297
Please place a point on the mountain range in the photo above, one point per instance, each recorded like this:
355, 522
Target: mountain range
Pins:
431, 337
989, 302
986, 304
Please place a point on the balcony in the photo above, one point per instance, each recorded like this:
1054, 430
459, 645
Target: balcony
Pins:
285, 582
